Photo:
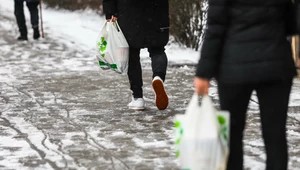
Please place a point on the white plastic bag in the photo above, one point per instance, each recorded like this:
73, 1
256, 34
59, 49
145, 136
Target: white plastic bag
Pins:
202, 135
113, 48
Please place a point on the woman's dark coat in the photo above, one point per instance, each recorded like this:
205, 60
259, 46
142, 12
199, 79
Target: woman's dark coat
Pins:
145, 23
245, 42
36, 1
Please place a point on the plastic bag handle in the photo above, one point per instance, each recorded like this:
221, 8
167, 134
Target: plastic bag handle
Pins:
117, 26
104, 25
197, 96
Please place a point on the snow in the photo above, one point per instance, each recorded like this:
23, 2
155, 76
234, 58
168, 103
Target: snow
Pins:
145, 144
82, 28
79, 30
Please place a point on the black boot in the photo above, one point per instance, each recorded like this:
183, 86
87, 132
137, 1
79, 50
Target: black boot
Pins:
22, 38
36, 33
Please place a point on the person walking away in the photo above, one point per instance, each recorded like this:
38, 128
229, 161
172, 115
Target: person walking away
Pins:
34, 16
245, 49
145, 24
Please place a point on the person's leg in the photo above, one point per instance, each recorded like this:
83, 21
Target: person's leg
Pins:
34, 13
273, 100
20, 17
135, 73
34, 16
159, 67
235, 99
159, 61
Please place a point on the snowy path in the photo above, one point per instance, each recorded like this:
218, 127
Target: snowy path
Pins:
58, 111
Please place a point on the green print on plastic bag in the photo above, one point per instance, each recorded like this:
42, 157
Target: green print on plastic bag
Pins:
177, 125
102, 45
222, 122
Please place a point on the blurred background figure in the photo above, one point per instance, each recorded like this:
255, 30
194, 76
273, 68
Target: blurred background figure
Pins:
21, 21
246, 49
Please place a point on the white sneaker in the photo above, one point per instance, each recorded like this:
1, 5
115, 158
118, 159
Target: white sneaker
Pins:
161, 97
137, 104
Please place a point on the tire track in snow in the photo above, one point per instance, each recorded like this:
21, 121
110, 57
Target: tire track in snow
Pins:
32, 146
43, 132
92, 141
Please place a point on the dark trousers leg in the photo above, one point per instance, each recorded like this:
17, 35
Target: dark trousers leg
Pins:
19, 13
235, 99
34, 13
135, 73
273, 99
159, 61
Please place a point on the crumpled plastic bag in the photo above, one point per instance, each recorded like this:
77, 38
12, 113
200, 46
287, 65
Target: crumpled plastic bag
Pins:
202, 136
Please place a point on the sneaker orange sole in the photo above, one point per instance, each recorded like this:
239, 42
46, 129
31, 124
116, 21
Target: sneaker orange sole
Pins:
162, 100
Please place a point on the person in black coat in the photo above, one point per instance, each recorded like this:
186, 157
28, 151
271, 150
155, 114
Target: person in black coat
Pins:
145, 24
245, 49
34, 15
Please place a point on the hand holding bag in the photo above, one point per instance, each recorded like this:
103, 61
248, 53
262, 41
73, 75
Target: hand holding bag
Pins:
113, 48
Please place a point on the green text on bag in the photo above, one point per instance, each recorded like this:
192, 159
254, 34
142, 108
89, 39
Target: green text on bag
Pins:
112, 66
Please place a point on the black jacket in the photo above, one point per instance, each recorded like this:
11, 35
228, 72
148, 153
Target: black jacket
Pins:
33, 1
245, 42
145, 23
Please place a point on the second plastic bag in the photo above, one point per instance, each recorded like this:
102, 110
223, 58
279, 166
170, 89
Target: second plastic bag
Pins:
113, 48
202, 135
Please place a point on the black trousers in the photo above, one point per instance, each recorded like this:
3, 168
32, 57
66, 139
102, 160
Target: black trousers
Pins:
19, 13
273, 103
159, 62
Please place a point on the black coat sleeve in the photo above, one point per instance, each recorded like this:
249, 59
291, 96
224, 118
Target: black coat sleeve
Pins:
217, 22
110, 8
